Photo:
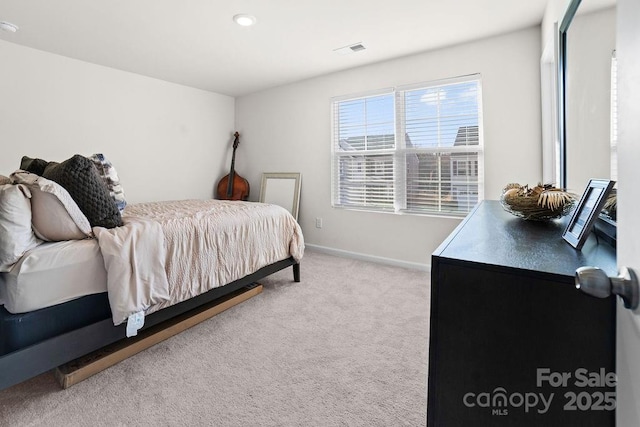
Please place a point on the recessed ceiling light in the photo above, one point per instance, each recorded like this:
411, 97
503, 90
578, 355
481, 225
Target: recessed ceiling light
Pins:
244, 19
8, 27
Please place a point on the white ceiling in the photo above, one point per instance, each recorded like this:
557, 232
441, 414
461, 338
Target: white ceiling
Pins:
196, 43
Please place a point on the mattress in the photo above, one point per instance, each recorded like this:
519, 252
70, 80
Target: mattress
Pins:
53, 273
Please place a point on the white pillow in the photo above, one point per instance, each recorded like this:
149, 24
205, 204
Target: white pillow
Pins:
55, 216
16, 236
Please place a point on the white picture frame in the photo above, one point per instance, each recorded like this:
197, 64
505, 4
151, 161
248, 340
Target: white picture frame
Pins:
282, 189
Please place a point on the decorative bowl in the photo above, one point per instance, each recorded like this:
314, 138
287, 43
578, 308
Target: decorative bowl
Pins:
539, 203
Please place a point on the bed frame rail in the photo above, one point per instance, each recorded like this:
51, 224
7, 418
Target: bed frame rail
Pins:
41, 357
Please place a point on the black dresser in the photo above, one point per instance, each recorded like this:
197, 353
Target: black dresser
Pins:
512, 341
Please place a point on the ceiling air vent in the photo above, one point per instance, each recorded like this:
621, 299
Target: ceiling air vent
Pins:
352, 48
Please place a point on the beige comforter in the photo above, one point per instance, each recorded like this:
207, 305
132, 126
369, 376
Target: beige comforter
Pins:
168, 252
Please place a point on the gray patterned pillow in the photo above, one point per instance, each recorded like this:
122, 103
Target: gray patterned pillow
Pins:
79, 176
110, 177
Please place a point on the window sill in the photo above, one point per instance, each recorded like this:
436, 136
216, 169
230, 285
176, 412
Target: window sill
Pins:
462, 215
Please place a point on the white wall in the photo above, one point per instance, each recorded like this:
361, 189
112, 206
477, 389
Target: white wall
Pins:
167, 141
287, 129
553, 14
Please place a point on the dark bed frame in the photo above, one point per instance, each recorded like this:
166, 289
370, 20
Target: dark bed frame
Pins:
54, 336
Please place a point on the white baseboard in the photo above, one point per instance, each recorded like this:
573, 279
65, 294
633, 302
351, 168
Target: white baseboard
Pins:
370, 258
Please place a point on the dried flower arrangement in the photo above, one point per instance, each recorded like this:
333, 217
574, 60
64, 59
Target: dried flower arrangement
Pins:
541, 202
610, 208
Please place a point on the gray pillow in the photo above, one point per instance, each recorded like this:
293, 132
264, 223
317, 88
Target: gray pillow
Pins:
79, 176
36, 166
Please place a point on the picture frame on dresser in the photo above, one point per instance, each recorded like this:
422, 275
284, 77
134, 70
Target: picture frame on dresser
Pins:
587, 211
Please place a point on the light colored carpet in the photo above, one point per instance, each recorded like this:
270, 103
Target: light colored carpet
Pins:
345, 347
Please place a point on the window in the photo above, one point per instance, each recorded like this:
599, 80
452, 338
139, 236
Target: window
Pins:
415, 149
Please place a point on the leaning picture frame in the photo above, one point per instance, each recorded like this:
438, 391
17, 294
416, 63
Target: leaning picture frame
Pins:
587, 211
282, 189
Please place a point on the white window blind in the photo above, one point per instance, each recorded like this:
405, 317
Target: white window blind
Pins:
364, 149
416, 149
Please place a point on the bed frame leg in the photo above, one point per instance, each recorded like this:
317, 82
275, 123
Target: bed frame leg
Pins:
296, 272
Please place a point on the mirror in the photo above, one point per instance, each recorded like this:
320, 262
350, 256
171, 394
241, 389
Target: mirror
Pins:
586, 44
282, 189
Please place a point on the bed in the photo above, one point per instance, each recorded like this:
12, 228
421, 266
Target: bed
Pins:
64, 299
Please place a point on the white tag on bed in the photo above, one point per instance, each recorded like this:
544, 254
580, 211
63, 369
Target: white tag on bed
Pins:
134, 323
